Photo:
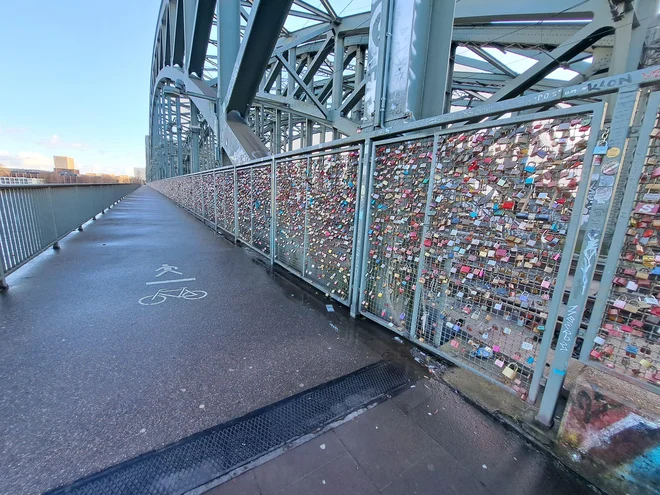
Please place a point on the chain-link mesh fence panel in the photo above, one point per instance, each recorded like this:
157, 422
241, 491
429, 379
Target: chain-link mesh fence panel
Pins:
261, 192
396, 214
208, 197
291, 201
244, 202
502, 199
628, 340
224, 184
196, 192
330, 224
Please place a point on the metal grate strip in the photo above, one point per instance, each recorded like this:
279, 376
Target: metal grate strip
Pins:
209, 454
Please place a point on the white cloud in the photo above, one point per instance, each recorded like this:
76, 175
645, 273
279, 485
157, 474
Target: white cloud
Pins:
26, 159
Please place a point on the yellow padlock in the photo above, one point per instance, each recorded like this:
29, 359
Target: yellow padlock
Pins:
645, 363
511, 371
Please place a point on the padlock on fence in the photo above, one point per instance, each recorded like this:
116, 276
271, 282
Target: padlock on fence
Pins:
511, 371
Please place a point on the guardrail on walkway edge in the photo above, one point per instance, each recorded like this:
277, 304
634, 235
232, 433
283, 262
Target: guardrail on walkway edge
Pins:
35, 217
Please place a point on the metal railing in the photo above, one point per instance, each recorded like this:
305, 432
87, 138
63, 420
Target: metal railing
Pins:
35, 217
460, 237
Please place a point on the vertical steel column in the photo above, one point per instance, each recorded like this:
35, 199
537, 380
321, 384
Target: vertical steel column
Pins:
338, 74
291, 81
604, 176
290, 141
623, 219
194, 138
309, 132
179, 139
277, 133
360, 227
419, 288
359, 77
170, 137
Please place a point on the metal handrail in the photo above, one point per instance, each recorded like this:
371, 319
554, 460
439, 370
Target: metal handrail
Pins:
34, 217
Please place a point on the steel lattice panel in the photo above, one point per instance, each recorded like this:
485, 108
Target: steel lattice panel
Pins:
261, 200
210, 454
291, 203
330, 224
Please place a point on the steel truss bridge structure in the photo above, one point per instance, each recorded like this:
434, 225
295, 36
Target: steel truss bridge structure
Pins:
310, 136
235, 80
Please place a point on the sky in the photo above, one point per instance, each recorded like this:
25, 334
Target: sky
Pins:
74, 81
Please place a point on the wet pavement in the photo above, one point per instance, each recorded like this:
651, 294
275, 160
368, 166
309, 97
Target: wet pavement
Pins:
426, 441
90, 377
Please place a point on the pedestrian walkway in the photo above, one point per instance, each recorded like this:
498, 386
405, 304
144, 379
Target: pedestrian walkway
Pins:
89, 377
146, 328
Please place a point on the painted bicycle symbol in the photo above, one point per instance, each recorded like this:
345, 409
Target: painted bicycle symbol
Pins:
163, 294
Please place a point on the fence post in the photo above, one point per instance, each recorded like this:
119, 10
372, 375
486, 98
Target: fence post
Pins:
305, 245
419, 288
625, 210
235, 205
359, 226
56, 244
3, 278
252, 205
214, 176
566, 261
604, 175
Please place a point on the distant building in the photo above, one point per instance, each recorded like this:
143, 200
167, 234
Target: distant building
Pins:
140, 173
64, 163
21, 181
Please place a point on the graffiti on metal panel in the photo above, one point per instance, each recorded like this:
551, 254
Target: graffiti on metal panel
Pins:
622, 440
589, 252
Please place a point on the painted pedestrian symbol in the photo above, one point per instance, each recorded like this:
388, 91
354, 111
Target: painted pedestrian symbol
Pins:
163, 294
165, 268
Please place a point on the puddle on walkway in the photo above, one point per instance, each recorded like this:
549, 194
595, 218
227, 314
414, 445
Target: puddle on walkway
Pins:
357, 330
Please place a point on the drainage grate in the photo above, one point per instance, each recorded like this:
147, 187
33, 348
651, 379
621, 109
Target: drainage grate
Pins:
207, 455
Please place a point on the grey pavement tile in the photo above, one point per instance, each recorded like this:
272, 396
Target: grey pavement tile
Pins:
245, 484
476, 440
412, 397
435, 473
384, 442
340, 476
298, 462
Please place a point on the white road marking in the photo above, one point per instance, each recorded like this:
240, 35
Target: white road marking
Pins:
171, 281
